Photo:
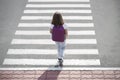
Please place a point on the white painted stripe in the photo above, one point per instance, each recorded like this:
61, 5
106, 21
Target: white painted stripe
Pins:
61, 68
86, 62
22, 32
58, 0
51, 52
50, 17
49, 41
48, 24
34, 25
56, 5
61, 11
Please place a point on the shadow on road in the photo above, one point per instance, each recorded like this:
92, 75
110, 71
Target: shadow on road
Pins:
50, 75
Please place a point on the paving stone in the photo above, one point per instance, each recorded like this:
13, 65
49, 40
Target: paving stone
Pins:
17, 79
4, 79
109, 76
117, 72
40, 76
97, 72
29, 79
59, 75
6, 76
17, 76
117, 76
86, 72
108, 72
1, 72
74, 79
86, 76
17, 72
29, 76
86, 79
109, 79
7, 72
63, 76
98, 79
98, 76
38, 72
74, 72
75, 76
29, 72
65, 72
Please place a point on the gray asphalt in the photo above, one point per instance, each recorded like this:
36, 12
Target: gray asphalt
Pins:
10, 14
106, 14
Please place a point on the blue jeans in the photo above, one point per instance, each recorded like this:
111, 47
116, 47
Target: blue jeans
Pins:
61, 48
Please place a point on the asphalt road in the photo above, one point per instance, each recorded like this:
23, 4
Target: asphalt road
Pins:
106, 19
106, 25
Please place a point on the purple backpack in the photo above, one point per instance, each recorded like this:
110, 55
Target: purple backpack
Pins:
58, 34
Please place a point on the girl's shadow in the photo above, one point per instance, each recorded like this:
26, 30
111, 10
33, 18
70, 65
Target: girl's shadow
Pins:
49, 75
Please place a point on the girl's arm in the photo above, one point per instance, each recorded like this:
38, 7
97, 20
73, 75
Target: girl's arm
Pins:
50, 30
66, 33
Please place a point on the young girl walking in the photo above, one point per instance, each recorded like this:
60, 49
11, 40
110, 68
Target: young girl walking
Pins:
59, 33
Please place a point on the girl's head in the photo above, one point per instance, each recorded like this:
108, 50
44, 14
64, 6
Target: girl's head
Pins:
57, 19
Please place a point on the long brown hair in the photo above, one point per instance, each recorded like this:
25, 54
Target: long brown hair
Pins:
57, 19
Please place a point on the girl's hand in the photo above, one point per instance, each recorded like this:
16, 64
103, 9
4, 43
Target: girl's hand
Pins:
51, 31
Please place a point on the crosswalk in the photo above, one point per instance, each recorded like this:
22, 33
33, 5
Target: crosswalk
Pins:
50, 17
32, 45
39, 32
47, 24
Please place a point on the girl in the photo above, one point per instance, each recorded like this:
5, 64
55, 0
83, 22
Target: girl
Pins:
59, 33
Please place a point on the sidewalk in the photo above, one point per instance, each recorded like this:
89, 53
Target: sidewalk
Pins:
60, 75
